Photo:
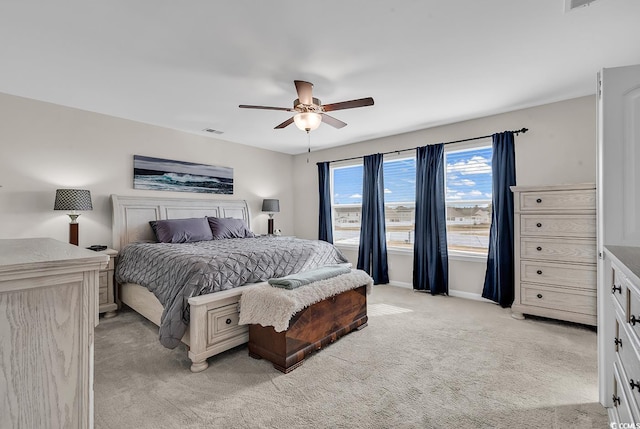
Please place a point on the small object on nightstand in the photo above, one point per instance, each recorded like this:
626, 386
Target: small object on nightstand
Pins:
97, 247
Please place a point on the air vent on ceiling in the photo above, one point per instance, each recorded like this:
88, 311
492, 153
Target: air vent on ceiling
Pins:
211, 130
569, 5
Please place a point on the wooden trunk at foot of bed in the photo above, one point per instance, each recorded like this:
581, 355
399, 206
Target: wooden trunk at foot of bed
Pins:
310, 329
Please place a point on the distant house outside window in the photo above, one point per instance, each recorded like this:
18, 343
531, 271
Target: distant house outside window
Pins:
467, 194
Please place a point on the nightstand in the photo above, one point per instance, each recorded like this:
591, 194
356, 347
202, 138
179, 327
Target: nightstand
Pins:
106, 296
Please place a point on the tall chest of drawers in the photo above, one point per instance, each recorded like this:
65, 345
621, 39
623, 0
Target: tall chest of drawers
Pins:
555, 252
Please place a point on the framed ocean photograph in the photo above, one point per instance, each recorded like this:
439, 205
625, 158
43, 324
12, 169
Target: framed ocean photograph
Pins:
169, 175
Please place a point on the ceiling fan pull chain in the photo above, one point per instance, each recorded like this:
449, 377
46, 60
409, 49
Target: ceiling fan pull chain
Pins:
309, 145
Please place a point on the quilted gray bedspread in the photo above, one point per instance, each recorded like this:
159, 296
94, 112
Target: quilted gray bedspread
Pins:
175, 272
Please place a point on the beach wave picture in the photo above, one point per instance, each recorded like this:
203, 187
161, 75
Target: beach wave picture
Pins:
169, 175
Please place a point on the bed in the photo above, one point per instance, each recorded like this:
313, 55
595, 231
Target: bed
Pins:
210, 320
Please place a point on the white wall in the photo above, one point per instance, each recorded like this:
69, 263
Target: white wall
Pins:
45, 147
560, 147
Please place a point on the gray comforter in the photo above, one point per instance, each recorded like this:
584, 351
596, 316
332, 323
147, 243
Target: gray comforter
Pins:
175, 272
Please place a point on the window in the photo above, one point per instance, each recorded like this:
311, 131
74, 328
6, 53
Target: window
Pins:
399, 201
467, 195
346, 194
468, 198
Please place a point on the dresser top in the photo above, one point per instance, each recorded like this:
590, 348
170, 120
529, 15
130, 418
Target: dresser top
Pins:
629, 256
34, 253
567, 187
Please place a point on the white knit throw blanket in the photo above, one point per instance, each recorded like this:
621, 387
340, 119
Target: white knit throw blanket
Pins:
271, 306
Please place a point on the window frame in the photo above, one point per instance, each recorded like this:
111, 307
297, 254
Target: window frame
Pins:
458, 255
467, 146
332, 167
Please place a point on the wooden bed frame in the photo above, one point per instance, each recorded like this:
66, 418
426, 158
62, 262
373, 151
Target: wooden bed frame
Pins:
213, 326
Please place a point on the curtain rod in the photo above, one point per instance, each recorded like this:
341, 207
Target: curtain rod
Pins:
516, 132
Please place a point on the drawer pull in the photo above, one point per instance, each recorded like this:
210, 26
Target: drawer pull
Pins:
633, 384
539, 200
539, 249
539, 296
616, 288
539, 272
633, 320
618, 342
616, 400
539, 225
228, 322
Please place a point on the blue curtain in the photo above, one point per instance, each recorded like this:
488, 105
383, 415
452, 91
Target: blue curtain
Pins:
430, 262
372, 253
498, 281
325, 230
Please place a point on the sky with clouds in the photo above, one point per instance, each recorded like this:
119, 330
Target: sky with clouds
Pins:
468, 177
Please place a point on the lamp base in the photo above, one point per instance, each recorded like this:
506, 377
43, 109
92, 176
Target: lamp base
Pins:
73, 233
270, 226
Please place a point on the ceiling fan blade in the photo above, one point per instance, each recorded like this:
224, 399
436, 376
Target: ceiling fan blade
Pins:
330, 120
246, 106
361, 102
284, 124
304, 90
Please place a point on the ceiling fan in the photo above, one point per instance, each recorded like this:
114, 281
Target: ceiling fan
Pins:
310, 112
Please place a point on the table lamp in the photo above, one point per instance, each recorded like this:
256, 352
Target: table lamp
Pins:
73, 200
272, 206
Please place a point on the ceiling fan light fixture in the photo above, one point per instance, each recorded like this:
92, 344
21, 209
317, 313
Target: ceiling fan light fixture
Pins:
307, 121
310, 112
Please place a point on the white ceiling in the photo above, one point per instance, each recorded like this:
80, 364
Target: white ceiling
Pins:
188, 64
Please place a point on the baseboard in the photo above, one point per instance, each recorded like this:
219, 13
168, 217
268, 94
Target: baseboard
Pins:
456, 293
401, 284
469, 295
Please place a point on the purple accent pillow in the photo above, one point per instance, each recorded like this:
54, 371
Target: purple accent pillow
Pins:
181, 230
229, 228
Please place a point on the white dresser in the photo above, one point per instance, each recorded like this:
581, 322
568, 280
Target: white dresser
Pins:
622, 343
48, 310
555, 252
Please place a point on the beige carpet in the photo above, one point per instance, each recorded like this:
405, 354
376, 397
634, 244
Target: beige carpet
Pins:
423, 362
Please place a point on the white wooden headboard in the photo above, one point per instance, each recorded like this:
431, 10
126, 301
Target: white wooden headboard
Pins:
131, 214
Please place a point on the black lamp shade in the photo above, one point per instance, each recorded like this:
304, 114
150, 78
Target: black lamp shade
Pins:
271, 205
73, 199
